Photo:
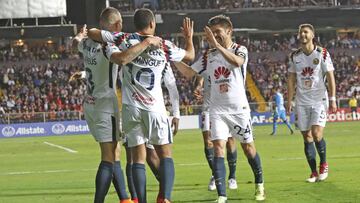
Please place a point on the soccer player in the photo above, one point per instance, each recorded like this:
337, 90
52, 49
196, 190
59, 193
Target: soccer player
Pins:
144, 114
225, 65
152, 158
208, 146
310, 65
100, 104
279, 111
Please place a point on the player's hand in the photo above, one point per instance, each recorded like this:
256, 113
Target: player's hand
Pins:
288, 108
154, 42
187, 28
332, 107
82, 33
210, 37
175, 125
75, 76
198, 93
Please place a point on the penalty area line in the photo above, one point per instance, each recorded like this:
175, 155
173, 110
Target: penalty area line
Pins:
61, 147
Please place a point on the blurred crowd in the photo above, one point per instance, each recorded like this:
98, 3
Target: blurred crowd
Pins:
36, 79
164, 5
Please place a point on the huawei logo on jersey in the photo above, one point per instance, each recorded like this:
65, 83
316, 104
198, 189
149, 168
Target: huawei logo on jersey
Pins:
307, 71
221, 71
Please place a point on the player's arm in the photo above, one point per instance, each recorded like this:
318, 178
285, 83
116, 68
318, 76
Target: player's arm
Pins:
199, 83
188, 31
77, 76
233, 59
291, 90
95, 34
80, 36
332, 91
125, 57
170, 84
185, 70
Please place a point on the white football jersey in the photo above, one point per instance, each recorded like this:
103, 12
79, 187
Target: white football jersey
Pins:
206, 93
142, 77
311, 75
227, 82
101, 74
170, 84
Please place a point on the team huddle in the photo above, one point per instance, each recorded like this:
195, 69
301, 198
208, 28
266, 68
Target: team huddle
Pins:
220, 75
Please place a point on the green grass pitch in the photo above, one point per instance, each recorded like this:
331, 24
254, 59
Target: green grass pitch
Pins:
31, 171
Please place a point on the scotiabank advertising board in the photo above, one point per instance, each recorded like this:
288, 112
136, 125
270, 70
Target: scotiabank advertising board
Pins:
344, 114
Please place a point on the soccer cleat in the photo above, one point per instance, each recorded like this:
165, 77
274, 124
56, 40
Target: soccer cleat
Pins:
222, 199
232, 184
135, 200
272, 133
313, 177
259, 192
324, 169
126, 201
291, 131
212, 185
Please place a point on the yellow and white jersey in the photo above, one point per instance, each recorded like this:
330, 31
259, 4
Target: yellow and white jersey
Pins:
227, 82
142, 77
311, 75
100, 75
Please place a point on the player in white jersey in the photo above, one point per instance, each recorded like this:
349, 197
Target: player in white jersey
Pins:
231, 151
144, 113
309, 67
100, 103
151, 157
225, 64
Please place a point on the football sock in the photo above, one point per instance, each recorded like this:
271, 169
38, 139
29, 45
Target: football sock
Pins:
321, 149
103, 180
274, 126
255, 164
310, 155
231, 158
167, 174
118, 181
130, 181
219, 174
139, 178
209, 153
288, 124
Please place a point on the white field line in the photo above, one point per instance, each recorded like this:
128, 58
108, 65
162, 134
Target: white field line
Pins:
180, 164
61, 147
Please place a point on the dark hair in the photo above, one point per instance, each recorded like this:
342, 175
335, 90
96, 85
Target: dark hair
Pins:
220, 20
142, 18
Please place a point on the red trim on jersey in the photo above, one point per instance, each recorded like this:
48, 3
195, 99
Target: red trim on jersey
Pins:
121, 38
324, 53
166, 50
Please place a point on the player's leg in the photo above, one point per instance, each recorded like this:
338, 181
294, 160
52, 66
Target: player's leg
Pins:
303, 120
231, 155
317, 128
138, 154
275, 118
209, 154
242, 130
153, 161
129, 177
118, 178
135, 134
105, 170
208, 147
283, 117
219, 136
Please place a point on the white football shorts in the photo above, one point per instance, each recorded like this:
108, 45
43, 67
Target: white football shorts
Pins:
103, 126
307, 116
142, 126
237, 125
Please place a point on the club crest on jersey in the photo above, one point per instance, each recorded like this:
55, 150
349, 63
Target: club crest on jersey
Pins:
221, 71
308, 71
316, 61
